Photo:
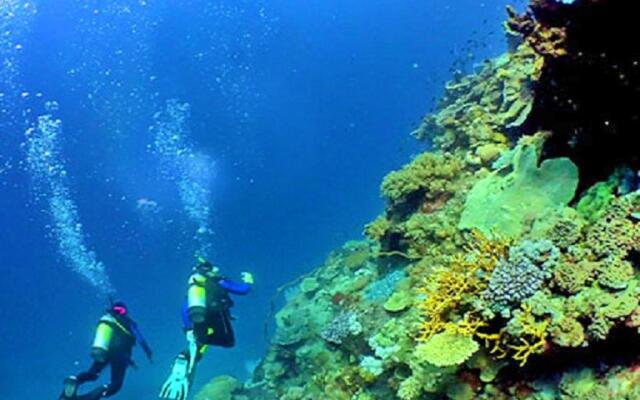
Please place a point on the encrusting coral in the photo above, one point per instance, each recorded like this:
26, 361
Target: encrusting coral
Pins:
506, 264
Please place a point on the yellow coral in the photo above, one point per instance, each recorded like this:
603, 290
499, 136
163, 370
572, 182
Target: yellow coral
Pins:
495, 342
532, 336
446, 349
446, 294
445, 289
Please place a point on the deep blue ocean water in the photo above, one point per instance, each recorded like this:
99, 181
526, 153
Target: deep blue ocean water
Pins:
297, 111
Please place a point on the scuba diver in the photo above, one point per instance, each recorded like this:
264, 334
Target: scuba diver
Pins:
206, 319
116, 335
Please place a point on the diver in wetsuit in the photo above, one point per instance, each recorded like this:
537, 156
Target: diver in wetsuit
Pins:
116, 335
206, 321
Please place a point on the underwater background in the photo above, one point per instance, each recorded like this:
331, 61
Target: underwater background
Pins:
297, 109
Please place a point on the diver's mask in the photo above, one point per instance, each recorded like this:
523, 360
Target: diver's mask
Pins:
204, 267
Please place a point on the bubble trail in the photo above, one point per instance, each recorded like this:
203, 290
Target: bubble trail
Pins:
15, 24
46, 165
191, 171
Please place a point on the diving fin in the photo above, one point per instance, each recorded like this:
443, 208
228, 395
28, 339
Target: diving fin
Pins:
70, 388
177, 386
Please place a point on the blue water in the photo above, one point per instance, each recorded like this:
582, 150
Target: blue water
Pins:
297, 109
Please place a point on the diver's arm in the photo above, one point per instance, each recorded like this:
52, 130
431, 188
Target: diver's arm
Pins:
239, 288
187, 324
141, 341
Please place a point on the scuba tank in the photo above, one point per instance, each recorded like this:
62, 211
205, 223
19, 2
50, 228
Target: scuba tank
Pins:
102, 339
197, 298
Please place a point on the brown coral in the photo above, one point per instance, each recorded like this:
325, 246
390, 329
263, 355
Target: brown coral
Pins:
548, 41
429, 177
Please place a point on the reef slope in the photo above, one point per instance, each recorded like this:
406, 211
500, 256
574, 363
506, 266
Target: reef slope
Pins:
506, 264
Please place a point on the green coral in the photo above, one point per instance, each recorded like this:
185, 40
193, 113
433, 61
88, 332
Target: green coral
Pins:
582, 385
488, 366
447, 349
615, 273
570, 276
615, 233
220, 388
595, 201
503, 204
568, 332
430, 174
399, 301
564, 227
421, 231
410, 388
477, 109
309, 285
378, 228
602, 308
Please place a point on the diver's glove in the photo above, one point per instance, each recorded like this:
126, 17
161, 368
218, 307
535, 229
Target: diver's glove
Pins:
192, 346
176, 387
247, 278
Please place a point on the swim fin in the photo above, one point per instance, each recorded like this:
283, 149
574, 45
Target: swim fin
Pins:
177, 386
70, 388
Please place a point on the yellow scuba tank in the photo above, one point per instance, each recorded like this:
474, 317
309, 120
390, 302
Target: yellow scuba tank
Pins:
102, 339
197, 298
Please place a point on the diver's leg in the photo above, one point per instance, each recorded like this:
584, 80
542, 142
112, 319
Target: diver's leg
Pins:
118, 370
95, 394
222, 334
92, 374
72, 383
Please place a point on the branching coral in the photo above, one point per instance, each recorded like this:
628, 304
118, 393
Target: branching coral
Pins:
530, 333
521, 275
447, 288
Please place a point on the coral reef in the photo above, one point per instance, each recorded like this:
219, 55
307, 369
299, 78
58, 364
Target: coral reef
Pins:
506, 263
521, 275
478, 110
447, 349
505, 204
342, 327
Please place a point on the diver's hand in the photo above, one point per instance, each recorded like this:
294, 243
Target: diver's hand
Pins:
247, 278
176, 387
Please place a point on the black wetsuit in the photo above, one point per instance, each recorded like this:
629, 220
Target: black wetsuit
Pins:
216, 329
125, 335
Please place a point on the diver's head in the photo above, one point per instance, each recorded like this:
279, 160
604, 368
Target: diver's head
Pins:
119, 308
205, 267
